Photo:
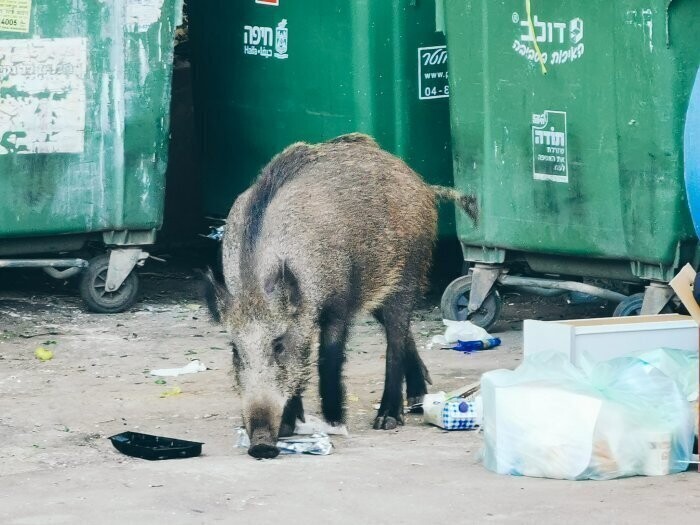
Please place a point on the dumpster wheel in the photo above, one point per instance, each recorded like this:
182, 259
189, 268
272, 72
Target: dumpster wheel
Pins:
92, 288
455, 301
630, 306
633, 306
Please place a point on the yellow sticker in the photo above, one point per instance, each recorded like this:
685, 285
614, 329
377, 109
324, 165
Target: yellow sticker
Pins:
14, 15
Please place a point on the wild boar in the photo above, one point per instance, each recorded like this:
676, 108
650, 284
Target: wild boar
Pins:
328, 230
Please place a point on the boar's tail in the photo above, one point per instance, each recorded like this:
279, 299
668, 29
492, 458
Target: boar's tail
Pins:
468, 203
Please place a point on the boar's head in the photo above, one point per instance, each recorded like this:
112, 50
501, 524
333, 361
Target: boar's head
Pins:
271, 342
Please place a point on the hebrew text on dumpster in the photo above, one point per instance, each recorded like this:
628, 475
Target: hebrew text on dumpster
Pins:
432, 73
549, 148
265, 42
560, 41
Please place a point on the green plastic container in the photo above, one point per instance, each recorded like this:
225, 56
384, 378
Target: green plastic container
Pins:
578, 170
84, 124
270, 73
84, 120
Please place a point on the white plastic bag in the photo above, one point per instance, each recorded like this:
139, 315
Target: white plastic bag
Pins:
619, 418
460, 331
681, 365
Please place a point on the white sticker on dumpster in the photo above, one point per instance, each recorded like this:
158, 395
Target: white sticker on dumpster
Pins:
432, 72
549, 146
15, 15
142, 14
42, 95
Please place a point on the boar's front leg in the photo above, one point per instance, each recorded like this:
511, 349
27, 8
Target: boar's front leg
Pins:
334, 332
293, 410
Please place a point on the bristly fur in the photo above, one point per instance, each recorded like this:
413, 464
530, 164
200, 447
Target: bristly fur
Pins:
282, 168
327, 231
468, 203
216, 296
354, 138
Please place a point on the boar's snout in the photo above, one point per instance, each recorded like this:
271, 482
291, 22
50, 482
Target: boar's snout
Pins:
263, 451
262, 445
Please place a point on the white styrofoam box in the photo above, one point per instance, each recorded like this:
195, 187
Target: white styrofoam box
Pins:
603, 339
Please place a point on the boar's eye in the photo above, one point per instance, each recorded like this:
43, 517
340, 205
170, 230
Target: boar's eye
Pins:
278, 346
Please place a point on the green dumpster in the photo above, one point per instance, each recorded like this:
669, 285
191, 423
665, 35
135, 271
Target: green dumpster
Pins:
84, 107
270, 73
567, 122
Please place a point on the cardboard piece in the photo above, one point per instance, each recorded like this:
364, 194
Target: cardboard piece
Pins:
465, 391
683, 284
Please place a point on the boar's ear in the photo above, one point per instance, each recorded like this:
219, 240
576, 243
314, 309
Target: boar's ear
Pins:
284, 284
216, 295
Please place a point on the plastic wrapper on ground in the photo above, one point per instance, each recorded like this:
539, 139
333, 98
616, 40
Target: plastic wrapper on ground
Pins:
318, 444
459, 331
452, 413
618, 418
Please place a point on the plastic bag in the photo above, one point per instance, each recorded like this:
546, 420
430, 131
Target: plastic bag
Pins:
619, 418
460, 331
681, 365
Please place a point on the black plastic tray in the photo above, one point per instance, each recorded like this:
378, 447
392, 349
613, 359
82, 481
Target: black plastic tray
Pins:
153, 448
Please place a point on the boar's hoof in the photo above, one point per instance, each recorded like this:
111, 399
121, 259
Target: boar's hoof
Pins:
263, 451
387, 422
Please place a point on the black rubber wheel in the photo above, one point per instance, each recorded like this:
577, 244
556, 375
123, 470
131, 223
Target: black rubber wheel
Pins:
630, 306
92, 288
455, 302
633, 306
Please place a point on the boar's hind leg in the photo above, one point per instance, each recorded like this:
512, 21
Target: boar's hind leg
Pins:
293, 410
416, 374
334, 332
401, 360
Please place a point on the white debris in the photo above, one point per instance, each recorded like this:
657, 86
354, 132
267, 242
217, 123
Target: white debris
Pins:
314, 425
191, 368
316, 445
460, 331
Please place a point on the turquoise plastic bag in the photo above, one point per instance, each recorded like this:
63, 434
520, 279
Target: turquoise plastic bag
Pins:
624, 417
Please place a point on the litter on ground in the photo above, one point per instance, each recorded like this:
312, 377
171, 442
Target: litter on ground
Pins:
191, 368
43, 354
318, 444
624, 417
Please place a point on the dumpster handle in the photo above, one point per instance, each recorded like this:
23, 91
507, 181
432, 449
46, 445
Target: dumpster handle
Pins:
534, 37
